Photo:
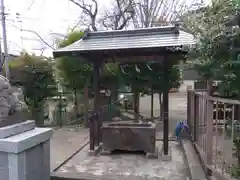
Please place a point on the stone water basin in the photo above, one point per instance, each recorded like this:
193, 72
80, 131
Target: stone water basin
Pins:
129, 137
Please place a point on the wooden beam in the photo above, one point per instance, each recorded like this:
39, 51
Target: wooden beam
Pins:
136, 59
166, 110
121, 55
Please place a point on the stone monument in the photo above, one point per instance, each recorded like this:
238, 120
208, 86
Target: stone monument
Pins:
10, 104
24, 148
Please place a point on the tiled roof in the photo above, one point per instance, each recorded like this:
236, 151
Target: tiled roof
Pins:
167, 36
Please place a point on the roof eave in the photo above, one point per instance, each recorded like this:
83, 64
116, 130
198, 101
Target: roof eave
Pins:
79, 53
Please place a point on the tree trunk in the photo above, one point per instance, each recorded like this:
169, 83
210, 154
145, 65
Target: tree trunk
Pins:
152, 98
210, 87
60, 122
38, 115
161, 105
113, 99
86, 106
238, 161
76, 103
136, 104
114, 93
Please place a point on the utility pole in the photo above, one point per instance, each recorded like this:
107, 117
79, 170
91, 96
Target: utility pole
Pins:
1, 55
5, 56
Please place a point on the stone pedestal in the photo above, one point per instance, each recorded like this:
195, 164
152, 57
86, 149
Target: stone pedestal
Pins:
25, 152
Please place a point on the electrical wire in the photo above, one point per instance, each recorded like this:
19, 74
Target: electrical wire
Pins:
30, 6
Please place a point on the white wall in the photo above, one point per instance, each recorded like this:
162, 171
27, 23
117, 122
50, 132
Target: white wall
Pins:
183, 87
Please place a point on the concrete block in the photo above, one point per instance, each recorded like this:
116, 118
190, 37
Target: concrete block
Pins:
14, 129
16, 166
4, 166
26, 155
25, 140
46, 160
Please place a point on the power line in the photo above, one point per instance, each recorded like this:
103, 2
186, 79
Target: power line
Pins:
30, 6
37, 34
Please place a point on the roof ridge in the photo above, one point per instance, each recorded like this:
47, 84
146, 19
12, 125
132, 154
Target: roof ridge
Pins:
133, 32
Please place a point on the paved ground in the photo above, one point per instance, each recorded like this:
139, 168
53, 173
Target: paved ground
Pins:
67, 141
177, 110
177, 105
128, 166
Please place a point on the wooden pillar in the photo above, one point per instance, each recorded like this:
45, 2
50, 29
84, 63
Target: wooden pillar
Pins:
100, 119
86, 105
165, 110
91, 133
97, 105
93, 127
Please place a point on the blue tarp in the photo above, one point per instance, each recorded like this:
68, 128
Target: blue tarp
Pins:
181, 126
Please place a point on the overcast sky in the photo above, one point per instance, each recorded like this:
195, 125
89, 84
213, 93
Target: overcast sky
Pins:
42, 16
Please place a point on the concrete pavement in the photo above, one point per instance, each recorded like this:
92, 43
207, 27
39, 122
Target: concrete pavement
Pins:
177, 110
68, 141
127, 166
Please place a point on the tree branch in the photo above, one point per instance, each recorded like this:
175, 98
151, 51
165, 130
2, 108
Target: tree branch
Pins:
34, 32
121, 14
88, 10
157, 12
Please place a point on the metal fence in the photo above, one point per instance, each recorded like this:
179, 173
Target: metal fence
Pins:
215, 127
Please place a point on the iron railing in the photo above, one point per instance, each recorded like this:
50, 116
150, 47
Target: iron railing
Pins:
215, 127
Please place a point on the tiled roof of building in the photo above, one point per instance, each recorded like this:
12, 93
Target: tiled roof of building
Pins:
167, 36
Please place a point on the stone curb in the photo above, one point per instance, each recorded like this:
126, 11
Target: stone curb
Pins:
194, 164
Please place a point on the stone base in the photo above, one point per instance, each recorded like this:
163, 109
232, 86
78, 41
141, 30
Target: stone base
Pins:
96, 151
148, 155
105, 153
25, 152
165, 157
153, 155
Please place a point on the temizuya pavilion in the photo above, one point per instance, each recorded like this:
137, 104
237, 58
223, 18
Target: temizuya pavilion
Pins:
128, 46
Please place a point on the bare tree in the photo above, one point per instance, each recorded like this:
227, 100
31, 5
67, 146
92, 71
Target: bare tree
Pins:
151, 13
146, 12
115, 18
90, 11
120, 15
